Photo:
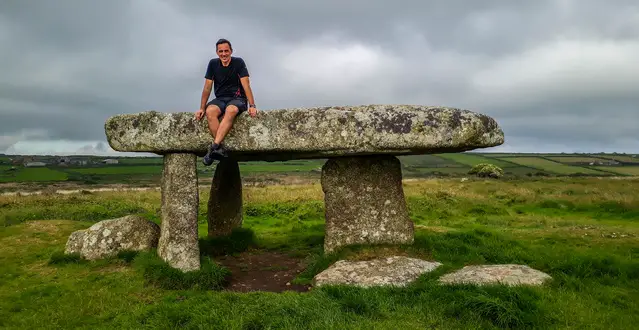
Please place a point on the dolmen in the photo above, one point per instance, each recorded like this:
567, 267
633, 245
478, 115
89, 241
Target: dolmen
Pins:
361, 178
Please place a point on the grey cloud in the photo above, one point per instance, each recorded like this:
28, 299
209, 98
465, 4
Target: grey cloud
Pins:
69, 65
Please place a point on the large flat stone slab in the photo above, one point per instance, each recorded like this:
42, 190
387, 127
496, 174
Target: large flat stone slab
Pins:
320, 132
396, 271
508, 274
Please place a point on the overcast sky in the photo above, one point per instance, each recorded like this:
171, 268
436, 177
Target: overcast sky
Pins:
558, 75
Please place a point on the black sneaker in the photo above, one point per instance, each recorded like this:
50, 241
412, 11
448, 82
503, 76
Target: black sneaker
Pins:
208, 158
219, 153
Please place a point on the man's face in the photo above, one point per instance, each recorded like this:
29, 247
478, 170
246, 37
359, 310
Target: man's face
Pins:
224, 52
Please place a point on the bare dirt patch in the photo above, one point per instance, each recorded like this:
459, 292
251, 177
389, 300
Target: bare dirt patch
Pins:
263, 271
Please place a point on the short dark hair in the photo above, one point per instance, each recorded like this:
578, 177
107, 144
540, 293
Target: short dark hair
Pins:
223, 41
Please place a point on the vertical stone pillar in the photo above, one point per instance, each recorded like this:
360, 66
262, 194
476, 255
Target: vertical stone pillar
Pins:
364, 202
225, 202
178, 243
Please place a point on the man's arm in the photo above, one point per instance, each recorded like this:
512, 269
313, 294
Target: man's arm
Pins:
206, 92
246, 84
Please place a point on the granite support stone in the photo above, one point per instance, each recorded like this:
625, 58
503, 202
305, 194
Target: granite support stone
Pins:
364, 202
225, 201
178, 243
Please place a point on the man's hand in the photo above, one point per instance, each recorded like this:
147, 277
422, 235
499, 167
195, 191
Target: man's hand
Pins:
253, 111
199, 114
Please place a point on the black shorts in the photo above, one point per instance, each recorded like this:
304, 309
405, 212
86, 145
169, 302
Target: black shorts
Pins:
223, 102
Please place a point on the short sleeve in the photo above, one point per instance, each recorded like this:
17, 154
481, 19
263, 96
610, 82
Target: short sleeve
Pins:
209, 70
242, 71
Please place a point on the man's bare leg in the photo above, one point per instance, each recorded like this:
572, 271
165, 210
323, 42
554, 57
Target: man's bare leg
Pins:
226, 124
213, 112
219, 131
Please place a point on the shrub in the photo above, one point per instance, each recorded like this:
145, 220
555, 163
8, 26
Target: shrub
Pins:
487, 170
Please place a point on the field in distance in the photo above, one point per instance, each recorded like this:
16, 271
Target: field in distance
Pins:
147, 170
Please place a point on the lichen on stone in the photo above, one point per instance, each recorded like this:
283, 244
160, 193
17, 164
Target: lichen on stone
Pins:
95, 242
508, 274
178, 244
397, 271
364, 202
318, 132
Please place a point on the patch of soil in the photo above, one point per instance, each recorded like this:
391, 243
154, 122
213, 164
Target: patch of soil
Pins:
263, 271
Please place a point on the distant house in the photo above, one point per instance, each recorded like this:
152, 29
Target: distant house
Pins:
110, 161
66, 161
34, 164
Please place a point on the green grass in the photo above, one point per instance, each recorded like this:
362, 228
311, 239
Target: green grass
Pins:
119, 169
576, 159
33, 174
254, 167
472, 160
141, 160
147, 170
428, 161
553, 167
438, 170
625, 170
622, 158
562, 226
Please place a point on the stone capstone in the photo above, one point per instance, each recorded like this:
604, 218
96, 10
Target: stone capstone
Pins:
392, 271
318, 132
108, 237
508, 274
178, 244
364, 202
225, 201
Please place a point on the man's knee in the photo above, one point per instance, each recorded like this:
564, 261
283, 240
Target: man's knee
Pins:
232, 110
213, 111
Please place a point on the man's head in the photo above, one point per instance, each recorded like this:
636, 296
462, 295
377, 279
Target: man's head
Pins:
223, 49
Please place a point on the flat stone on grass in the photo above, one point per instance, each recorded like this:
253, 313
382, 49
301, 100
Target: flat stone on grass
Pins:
508, 274
392, 271
107, 238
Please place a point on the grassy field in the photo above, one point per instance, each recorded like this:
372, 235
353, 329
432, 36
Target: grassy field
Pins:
577, 159
429, 161
33, 174
474, 159
623, 158
625, 170
582, 231
553, 167
290, 166
147, 170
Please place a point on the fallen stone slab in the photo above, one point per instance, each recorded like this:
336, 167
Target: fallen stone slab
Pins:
508, 274
364, 202
395, 271
109, 237
319, 132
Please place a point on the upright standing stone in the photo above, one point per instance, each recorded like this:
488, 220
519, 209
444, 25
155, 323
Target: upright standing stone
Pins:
225, 201
178, 244
364, 202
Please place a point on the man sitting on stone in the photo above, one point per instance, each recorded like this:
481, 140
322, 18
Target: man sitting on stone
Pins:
230, 78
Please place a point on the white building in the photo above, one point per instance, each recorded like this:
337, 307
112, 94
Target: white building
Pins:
35, 164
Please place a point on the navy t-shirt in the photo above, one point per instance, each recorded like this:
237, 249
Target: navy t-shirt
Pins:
226, 79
